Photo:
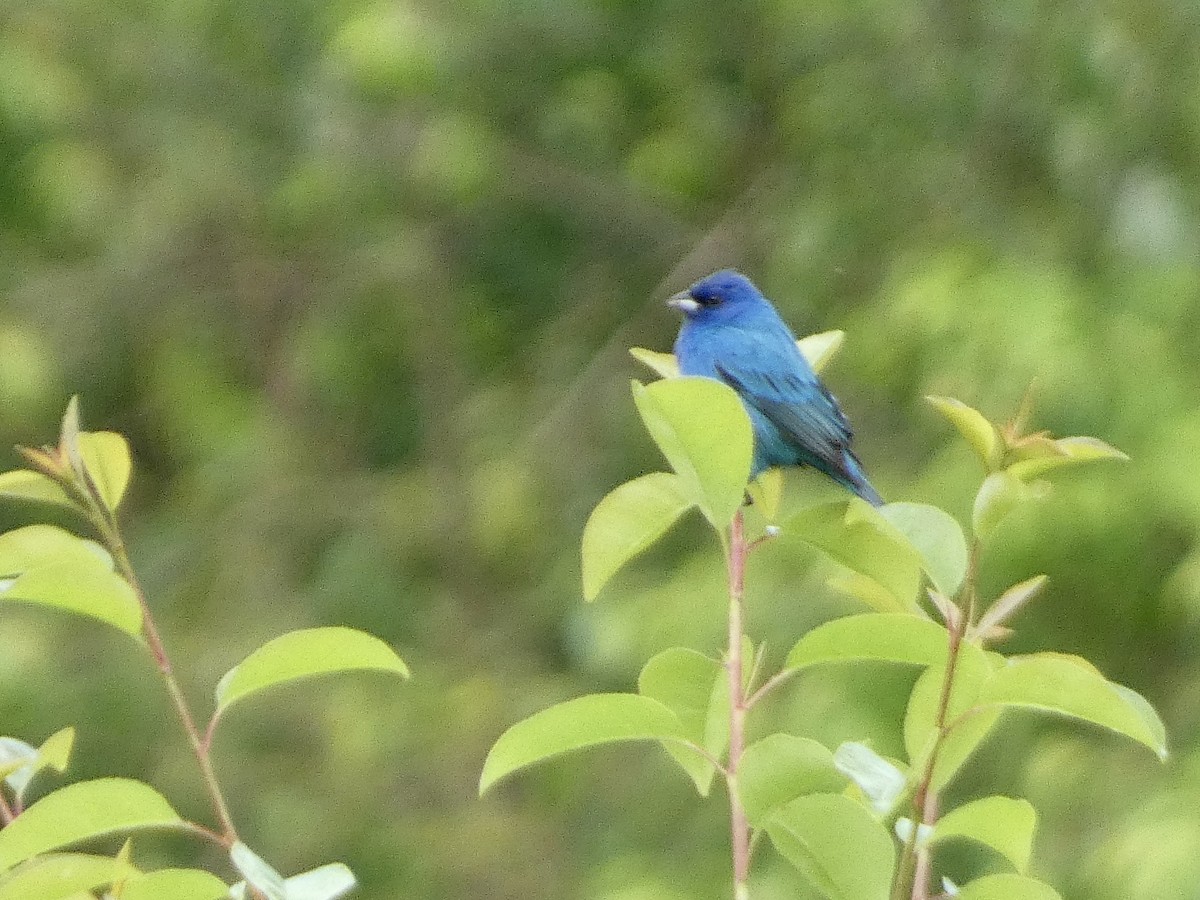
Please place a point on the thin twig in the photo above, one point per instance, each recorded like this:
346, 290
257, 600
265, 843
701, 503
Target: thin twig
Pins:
6, 811
769, 685
739, 826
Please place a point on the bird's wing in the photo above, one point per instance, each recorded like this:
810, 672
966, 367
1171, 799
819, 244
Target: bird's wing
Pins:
791, 397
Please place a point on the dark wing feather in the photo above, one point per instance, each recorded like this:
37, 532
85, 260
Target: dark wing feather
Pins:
796, 403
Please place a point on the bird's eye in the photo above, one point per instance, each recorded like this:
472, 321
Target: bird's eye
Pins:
708, 300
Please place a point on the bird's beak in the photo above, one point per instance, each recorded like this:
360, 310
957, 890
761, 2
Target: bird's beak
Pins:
684, 302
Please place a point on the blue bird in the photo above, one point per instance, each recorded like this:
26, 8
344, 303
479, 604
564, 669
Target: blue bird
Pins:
732, 333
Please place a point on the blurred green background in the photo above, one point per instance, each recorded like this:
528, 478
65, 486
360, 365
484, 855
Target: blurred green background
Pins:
357, 280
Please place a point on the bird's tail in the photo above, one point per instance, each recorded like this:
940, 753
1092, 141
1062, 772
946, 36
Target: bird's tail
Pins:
856, 480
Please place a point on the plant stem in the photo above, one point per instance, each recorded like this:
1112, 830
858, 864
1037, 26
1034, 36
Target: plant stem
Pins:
107, 526
739, 827
6, 811
916, 862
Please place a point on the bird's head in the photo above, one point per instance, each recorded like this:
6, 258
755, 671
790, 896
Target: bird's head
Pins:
722, 296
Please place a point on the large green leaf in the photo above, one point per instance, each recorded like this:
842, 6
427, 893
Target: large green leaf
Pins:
1063, 452
55, 568
938, 538
837, 845
1008, 887
695, 688
54, 876
981, 434
883, 637
972, 671
780, 768
81, 811
304, 654
853, 533
106, 457
704, 432
575, 724
22, 484
175, 884
1002, 823
1071, 686
627, 521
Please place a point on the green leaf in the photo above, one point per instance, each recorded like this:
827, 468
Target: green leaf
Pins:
870, 592
58, 875
303, 654
19, 762
1008, 887
882, 782
704, 432
81, 811
68, 438
1065, 452
106, 457
854, 534
820, 348
694, 688
49, 565
767, 491
627, 521
325, 883
1007, 604
885, 637
22, 484
1071, 686
974, 426
972, 671
938, 538
665, 364
1002, 823
999, 495
175, 884
258, 872
575, 724
780, 768
36, 545
837, 845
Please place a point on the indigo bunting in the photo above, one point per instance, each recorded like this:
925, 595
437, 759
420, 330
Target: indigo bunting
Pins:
732, 333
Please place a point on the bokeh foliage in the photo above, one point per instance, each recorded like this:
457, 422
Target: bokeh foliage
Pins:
357, 280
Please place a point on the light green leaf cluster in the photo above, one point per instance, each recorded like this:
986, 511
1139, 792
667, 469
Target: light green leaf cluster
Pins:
1013, 459
48, 565
85, 468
